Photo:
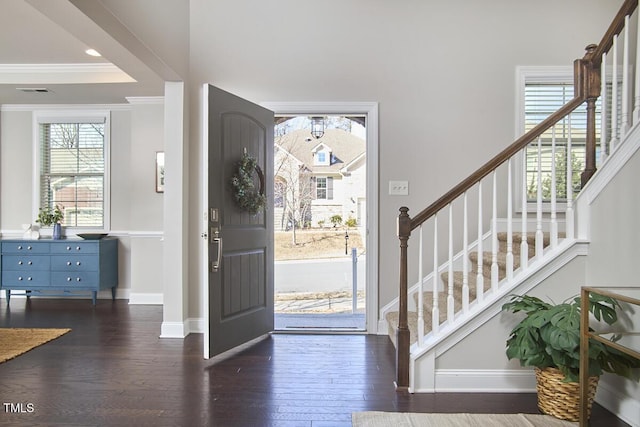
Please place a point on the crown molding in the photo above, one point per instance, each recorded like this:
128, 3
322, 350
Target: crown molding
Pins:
64, 107
62, 74
145, 100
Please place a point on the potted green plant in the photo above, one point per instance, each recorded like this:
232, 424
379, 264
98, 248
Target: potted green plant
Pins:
48, 217
548, 338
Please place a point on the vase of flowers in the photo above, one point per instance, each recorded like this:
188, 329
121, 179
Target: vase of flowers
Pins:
48, 217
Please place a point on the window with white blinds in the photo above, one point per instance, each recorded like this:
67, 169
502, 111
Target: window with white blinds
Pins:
72, 170
540, 101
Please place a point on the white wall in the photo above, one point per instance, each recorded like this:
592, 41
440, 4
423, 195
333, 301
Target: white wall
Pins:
488, 343
136, 209
613, 261
16, 163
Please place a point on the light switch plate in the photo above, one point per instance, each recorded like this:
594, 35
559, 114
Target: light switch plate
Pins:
398, 188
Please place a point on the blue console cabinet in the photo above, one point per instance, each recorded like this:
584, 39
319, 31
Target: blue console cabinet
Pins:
66, 265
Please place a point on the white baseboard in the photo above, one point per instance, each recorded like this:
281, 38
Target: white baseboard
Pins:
623, 406
145, 299
182, 329
173, 330
196, 325
484, 381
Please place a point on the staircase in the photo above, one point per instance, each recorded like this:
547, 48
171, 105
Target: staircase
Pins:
417, 322
392, 317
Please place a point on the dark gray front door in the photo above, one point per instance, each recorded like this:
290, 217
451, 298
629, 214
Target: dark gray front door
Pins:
240, 243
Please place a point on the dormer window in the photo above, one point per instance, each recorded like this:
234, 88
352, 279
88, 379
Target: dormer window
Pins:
322, 155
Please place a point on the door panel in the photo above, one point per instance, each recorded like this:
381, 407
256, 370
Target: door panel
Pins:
241, 285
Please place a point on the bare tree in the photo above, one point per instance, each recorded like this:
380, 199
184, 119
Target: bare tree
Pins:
294, 190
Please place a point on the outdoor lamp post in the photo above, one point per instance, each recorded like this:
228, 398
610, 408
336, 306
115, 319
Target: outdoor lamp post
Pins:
346, 242
317, 127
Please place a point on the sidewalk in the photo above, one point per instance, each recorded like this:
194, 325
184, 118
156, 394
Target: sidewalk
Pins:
317, 302
324, 311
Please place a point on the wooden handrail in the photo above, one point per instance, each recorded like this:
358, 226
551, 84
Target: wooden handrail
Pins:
493, 164
627, 8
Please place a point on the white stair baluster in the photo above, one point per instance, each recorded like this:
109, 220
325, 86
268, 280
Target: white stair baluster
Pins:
613, 142
539, 233
450, 299
509, 258
569, 211
480, 275
553, 232
435, 311
604, 99
494, 237
625, 126
465, 257
524, 244
420, 290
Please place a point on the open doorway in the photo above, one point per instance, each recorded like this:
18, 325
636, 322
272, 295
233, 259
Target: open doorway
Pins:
320, 222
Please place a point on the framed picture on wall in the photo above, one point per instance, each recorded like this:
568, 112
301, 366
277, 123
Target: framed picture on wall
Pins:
160, 172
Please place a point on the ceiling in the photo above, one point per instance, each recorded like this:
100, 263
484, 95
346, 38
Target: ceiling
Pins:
43, 44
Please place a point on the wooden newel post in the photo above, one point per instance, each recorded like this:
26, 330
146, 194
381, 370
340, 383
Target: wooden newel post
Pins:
591, 87
402, 334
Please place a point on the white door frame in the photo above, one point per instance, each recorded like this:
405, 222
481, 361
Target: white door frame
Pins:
370, 111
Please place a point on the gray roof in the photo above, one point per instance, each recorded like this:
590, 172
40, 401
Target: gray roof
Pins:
344, 146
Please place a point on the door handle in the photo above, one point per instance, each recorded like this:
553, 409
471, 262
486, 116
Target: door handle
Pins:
215, 265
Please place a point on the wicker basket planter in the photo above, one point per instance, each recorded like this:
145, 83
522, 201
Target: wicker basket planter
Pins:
561, 399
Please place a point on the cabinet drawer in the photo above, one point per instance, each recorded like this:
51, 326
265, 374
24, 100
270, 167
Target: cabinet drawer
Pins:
74, 247
74, 279
25, 262
22, 280
25, 247
73, 262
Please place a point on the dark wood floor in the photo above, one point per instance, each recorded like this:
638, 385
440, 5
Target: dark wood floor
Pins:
113, 370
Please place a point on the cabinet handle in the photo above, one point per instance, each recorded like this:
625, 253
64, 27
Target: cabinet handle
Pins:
78, 263
77, 248
68, 262
29, 248
29, 279
68, 248
78, 279
20, 279
30, 263
68, 279
19, 247
20, 263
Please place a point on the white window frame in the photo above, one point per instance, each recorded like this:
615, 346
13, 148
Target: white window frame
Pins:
73, 115
524, 75
321, 158
325, 188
